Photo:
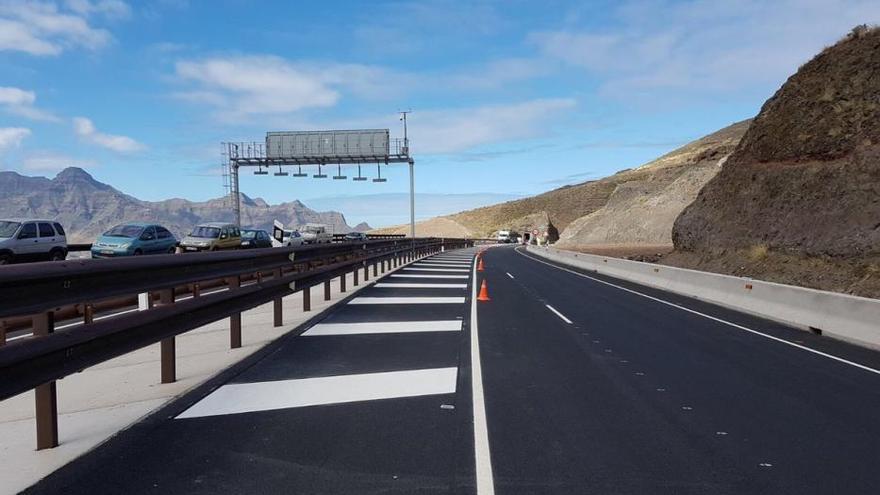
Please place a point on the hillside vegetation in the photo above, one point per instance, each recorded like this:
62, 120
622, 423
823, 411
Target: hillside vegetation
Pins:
799, 199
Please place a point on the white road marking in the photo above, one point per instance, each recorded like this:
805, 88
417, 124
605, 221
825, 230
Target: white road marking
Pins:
420, 286
237, 398
482, 453
461, 270
439, 262
713, 318
551, 308
322, 329
509, 275
429, 276
407, 300
441, 265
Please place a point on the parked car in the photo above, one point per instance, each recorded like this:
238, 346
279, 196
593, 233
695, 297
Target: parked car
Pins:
291, 238
134, 239
355, 237
251, 239
24, 239
212, 236
315, 233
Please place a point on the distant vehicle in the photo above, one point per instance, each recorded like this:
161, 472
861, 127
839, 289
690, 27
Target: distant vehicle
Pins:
291, 238
315, 233
504, 237
251, 239
212, 236
355, 237
31, 240
134, 239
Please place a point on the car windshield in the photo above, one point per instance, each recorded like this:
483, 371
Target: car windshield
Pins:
248, 234
7, 229
205, 232
130, 231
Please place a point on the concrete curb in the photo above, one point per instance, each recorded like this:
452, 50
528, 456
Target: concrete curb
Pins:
849, 318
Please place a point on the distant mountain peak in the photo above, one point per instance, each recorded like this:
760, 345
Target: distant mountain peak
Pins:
74, 173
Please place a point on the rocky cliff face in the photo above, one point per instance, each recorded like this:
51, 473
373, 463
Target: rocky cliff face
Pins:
87, 207
646, 201
799, 200
806, 177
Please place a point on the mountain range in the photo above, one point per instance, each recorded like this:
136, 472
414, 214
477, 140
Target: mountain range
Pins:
87, 207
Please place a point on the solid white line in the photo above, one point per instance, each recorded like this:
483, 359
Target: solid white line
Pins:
420, 286
322, 329
407, 300
509, 275
438, 269
437, 264
428, 276
551, 308
236, 398
713, 318
482, 453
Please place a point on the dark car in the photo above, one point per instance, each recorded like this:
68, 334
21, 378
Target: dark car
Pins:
251, 239
355, 237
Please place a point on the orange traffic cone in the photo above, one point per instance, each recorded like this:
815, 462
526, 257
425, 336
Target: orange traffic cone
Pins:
480, 265
484, 293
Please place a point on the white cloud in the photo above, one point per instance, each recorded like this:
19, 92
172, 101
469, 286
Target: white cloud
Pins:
111, 8
704, 46
43, 28
11, 137
18, 101
452, 131
85, 129
49, 161
262, 84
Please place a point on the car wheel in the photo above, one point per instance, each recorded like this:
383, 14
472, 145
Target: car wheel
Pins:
5, 259
172, 250
138, 252
56, 255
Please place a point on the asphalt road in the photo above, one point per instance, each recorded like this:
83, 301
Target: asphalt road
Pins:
578, 384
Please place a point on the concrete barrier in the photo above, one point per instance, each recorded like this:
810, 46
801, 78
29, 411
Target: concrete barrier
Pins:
850, 318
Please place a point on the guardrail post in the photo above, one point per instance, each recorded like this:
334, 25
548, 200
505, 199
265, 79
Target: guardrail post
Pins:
355, 273
375, 270
327, 290
196, 290
234, 319
307, 299
366, 272
277, 308
2, 333
167, 346
342, 282
45, 395
88, 314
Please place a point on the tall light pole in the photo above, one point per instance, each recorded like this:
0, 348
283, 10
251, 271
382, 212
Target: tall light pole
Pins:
412, 189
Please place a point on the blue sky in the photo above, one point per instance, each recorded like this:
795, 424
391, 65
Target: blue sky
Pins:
509, 98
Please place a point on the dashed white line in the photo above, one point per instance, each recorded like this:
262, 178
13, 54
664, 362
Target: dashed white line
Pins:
710, 317
509, 275
560, 315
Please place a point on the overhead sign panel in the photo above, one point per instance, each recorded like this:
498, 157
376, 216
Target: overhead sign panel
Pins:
368, 143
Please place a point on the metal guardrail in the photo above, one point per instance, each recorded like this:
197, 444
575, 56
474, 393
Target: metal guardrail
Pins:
39, 290
82, 247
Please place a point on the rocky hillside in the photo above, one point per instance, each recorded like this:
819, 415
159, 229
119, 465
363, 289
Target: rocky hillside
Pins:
87, 207
799, 199
646, 201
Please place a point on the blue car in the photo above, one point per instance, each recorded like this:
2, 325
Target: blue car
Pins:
134, 239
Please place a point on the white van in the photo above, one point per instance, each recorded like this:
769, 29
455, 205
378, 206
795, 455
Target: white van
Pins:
315, 233
503, 237
28, 239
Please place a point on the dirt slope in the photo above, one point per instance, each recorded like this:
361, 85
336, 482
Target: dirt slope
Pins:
433, 227
646, 201
799, 199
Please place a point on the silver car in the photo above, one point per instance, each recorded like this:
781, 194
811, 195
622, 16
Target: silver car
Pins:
27, 239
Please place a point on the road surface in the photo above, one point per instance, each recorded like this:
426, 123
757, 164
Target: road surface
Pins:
565, 382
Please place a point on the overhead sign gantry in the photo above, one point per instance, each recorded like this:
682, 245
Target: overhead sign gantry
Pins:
318, 149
